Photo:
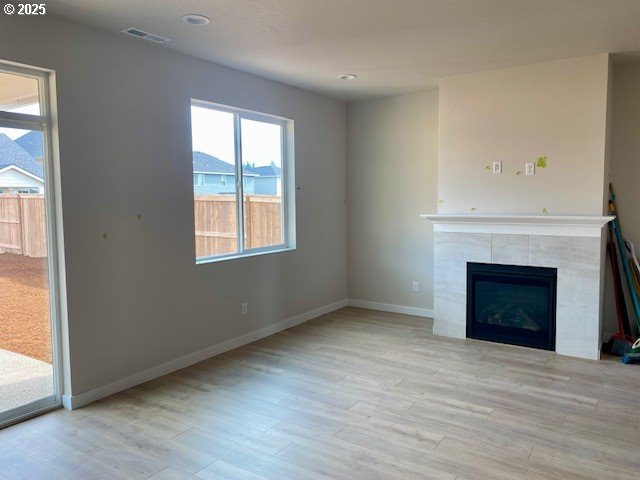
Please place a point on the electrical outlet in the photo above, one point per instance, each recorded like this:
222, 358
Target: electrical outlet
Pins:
415, 287
244, 308
530, 168
497, 167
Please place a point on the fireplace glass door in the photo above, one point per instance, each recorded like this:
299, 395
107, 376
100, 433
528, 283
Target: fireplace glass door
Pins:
511, 304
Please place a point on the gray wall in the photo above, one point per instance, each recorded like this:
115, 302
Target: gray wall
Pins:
137, 299
516, 115
625, 165
392, 179
625, 149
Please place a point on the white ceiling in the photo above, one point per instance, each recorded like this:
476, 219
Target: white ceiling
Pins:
395, 46
17, 91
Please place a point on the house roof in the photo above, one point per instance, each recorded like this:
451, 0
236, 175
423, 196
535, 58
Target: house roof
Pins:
31, 143
13, 154
205, 163
267, 171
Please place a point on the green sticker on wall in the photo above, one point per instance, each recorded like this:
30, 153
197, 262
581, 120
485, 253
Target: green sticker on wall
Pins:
440, 202
473, 209
542, 162
545, 211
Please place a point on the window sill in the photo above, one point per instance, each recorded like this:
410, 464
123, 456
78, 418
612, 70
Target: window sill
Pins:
206, 260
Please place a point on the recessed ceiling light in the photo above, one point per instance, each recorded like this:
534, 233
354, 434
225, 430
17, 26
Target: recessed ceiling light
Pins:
348, 76
195, 19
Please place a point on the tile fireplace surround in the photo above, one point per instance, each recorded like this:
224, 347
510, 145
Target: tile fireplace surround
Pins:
574, 245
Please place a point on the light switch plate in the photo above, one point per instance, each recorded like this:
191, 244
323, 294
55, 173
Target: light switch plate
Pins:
530, 168
497, 167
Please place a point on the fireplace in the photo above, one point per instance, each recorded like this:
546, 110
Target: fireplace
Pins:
512, 304
572, 245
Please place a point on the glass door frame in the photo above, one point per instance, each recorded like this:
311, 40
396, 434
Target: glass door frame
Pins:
42, 123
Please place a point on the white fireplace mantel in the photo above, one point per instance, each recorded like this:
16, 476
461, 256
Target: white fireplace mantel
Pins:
573, 226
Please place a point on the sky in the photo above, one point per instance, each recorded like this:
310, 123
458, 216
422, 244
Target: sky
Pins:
212, 132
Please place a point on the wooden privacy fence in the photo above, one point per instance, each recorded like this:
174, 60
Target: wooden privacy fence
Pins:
216, 223
23, 227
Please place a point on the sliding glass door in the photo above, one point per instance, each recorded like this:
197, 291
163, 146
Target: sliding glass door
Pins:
28, 280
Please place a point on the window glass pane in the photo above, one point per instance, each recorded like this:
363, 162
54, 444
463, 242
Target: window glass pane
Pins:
19, 94
262, 183
26, 372
214, 199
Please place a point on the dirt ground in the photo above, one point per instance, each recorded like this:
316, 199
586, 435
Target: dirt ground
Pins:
24, 306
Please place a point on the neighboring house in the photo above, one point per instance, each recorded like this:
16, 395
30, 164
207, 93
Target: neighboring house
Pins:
212, 175
268, 180
19, 171
32, 144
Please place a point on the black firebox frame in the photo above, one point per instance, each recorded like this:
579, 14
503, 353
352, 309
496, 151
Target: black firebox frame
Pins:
512, 274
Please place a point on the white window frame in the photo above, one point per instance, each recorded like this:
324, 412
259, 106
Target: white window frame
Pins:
45, 124
200, 182
288, 182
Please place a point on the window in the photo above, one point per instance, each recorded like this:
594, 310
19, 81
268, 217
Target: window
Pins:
198, 180
250, 210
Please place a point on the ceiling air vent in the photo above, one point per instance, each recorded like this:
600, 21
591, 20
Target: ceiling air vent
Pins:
150, 37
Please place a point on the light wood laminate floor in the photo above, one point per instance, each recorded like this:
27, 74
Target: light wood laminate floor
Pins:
355, 394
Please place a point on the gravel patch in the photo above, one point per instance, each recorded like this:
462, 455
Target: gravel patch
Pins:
25, 325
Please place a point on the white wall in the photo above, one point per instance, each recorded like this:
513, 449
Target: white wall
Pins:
515, 115
391, 180
137, 299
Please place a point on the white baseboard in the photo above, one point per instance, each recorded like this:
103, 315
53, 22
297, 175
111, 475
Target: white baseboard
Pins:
72, 402
388, 307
